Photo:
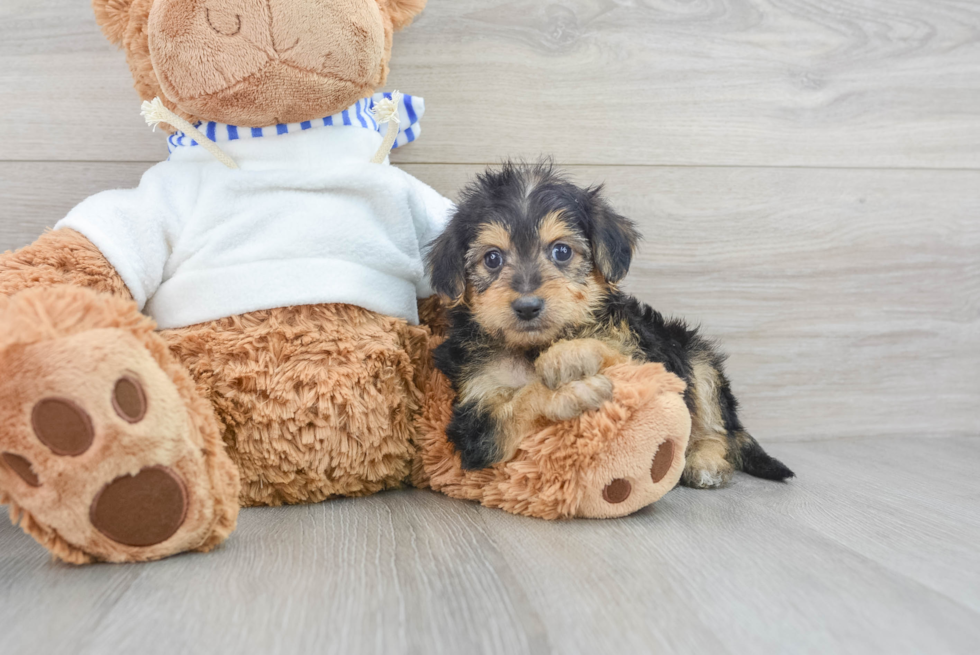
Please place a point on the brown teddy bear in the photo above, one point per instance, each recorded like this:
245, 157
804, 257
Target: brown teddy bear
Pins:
244, 327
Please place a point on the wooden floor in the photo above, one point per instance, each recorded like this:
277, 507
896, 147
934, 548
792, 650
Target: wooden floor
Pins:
807, 176
873, 549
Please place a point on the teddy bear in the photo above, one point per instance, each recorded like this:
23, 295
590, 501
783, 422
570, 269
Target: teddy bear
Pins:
252, 324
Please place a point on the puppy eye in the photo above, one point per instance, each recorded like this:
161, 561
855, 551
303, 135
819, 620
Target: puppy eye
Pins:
493, 259
561, 252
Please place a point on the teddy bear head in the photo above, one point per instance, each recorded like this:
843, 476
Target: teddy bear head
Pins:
256, 62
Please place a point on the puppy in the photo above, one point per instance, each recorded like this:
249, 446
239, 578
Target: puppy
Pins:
530, 264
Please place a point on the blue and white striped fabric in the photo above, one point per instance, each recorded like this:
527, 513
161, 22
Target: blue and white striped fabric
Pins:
410, 111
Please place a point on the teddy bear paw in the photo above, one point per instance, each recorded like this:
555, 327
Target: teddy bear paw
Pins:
99, 456
635, 483
640, 463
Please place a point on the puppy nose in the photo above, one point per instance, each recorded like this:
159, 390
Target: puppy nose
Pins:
527, 308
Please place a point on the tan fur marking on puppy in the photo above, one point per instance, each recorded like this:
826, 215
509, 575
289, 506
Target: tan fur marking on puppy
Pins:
567, 302
575, 398
492, 235
707, 463
519, 410
510, 390
506, 373
577, 359
554, 228
492, 308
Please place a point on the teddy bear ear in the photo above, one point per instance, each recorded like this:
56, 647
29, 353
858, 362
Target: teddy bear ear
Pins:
402, 12
113, 17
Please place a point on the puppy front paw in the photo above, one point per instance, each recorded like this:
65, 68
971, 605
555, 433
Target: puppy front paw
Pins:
568, 361
580, 396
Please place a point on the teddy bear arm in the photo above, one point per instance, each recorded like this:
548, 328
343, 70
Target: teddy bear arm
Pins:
58, 257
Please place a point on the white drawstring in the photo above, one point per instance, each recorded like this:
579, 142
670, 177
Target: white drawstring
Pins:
155, 113
386, 111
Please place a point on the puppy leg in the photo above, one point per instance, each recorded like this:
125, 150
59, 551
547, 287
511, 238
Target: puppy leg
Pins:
513, 418
708, 464
502, 405
569, 401
486, 416
575, 359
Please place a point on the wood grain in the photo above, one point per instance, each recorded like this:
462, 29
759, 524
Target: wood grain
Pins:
868, 551
874, 83
848, 300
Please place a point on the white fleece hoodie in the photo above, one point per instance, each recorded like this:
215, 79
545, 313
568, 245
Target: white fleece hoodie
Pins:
306, 219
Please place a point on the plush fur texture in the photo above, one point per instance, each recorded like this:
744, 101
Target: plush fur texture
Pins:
70, 342
62, 257
315, 401
268, 57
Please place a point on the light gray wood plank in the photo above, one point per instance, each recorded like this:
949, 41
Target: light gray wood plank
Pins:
843, 559
848, 300
875, 83
752, 566
385, 574
867, 494
36, 195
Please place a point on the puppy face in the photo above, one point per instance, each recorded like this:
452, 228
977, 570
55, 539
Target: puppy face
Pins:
528, 285
530, 254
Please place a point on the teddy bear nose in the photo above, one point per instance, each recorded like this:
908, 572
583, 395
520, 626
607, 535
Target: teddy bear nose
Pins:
527, 308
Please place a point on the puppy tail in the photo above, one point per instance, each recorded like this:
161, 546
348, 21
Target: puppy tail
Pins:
755, 461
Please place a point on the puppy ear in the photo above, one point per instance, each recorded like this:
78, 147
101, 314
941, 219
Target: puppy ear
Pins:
402, 12
446, 263
113, 17
614, 238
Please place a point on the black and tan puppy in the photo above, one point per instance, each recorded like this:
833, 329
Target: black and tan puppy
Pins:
530, 264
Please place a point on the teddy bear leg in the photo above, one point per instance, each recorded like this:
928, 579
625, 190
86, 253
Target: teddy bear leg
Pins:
644, 456
606, 463
106, 450
316, 401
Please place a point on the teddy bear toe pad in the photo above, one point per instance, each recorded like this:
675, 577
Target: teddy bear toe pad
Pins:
62, 426
619, 490
97, 445
143, 509
23, 468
